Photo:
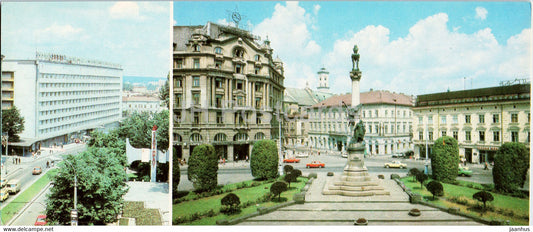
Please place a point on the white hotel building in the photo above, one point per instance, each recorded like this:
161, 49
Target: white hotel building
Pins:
63, 98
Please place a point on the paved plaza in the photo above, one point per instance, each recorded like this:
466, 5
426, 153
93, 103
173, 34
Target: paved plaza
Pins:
154, 196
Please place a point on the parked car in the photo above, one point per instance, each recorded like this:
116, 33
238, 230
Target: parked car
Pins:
4, 194
344, 155
395, 164
302, 155
41, 220
37, 170
13, 186
3, 182
397, 155
315, 164
464, 171
291, 160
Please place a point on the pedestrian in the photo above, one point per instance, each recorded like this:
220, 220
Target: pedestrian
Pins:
486, 166
47, 164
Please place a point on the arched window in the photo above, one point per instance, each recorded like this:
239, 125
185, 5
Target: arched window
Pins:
196, 48
177, 138
238, 52
220, 137
259, 136
240, 137
196, 137
218, 50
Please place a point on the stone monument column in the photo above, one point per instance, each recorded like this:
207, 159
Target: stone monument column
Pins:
355, 75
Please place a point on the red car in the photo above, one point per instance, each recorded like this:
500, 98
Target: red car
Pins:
315, 164
41, 220
291, 160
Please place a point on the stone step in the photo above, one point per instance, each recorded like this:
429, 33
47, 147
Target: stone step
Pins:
355, 193
363, 173
355, 184
351, 188
356, 178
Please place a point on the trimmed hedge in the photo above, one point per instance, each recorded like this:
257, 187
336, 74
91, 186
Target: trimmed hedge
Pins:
510, 167
203, 168
445, 159
264, 160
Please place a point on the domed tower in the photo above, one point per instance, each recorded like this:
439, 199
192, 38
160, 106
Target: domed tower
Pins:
323, 80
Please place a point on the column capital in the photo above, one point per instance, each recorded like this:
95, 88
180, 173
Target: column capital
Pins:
355, 75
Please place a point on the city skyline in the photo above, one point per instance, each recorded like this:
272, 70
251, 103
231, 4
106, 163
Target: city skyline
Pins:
135, 35
409, 47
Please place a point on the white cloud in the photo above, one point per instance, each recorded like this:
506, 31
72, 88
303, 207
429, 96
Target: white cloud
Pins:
155, 7
289, 32
56, 32
481, 13
429, 59
316, 8
124, 10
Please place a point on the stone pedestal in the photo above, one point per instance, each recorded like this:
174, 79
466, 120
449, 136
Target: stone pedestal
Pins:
355, 180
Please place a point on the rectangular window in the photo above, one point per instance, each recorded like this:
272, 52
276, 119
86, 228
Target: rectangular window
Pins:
178, 100
431, 135
443, 119
177, 117
443, 133
481, 118
196, 63
196, 118
468, 136
495, 136
257, 70
218, 64
238, 68
196, 98
257, 87
377, 114
495, 118
238, 85
467, 118
258, 118
420, 120
179, 63
456, 135
196, 82
376, 127
240, 101
258, 102
430, 119
455, 119
482, 136
219, 83
218, 101
514, 118
219, 118
514, 136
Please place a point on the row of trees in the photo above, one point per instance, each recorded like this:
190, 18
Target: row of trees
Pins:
511, 164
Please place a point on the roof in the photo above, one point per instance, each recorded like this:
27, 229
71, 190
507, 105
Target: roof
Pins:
301, 96
492, 94
367, 98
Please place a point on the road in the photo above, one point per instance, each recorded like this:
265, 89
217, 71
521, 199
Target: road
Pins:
34, 209
240, 171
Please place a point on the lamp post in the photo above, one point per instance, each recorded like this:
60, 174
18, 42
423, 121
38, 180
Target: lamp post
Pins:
74, 212
426, 171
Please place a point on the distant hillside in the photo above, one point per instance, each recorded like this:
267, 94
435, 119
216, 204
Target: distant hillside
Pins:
141, 80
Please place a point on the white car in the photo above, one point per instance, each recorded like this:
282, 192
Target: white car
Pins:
344, 155
395, 164
302, 155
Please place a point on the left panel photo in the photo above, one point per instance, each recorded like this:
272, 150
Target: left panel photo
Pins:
85, 119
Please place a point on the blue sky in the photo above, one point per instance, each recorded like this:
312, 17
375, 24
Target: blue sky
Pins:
410, 47
133, 34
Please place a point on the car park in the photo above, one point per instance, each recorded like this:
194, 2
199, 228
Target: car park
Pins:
41, 220
395, 164
37, 170
291, 160
315, 164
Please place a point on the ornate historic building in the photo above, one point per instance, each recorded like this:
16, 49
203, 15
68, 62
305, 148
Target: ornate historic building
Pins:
387, 118
480, 119
226, 87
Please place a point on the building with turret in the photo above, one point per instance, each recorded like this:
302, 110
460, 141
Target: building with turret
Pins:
226, 87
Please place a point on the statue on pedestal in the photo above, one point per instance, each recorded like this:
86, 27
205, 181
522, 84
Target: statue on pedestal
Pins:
355, 58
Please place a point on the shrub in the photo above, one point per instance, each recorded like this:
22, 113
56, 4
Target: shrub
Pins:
175, 174
264, 160
297, 172
287, 168
330, 174
510, 167
435, 188
381, 176
277, 188
312, 175
445, 159
421, 177
230, 204
483, 196
291, 177
413, 172
203, 167
394, 176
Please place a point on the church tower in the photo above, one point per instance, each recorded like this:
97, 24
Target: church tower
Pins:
323, 82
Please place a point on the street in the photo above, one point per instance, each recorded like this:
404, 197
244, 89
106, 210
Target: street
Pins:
240, 171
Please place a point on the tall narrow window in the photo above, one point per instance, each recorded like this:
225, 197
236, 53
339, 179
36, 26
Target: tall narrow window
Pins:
481, 118
196, 82
177, 101
219, 118
196, 98
196, 63
218, 100
514, 136
495, 118
430, 135
467, 118
196, 118
218, 50
456, 135
482, 136
179, 63
495, 136
468, 136
514, 118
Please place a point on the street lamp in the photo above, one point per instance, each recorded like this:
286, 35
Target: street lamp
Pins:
74, 212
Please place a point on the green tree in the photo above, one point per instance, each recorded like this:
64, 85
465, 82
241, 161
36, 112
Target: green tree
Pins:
12, 123
421, 177
510, 167
290, 177
483, 196
445, 159
203, 168
101, 186
164, 94
111, 141
435, 188
414, 172
264, 160
297, 172
277, 188
175, 174
287, 168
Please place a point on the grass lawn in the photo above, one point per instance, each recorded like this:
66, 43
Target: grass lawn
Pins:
250, 194
24, 197
519, 206
143, 216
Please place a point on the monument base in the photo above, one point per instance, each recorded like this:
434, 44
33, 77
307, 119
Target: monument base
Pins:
355, 180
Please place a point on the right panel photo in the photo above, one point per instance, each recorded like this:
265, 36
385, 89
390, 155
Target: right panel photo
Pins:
349, 113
